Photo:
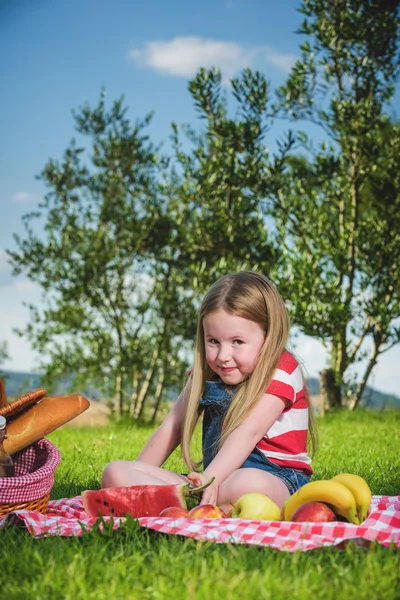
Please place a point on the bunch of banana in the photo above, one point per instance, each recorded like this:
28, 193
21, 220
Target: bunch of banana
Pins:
347, 494
360, 490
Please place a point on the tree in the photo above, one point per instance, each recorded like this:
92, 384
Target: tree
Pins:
127, 241
103, 225
129, 236
215, 224
337, 207
218, 179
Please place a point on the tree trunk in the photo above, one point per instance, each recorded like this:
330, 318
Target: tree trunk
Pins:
158, 393
135, 393
330, 390
119, 394
146, 384
355, 400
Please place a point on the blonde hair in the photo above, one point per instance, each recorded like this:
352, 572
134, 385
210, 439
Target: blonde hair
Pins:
254, 297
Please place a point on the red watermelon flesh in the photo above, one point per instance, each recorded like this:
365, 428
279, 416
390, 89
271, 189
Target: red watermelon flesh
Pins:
137, 500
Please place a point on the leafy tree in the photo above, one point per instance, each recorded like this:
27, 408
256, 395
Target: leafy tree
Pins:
337, 208
215, 223
130, 237
103, 225
217, 192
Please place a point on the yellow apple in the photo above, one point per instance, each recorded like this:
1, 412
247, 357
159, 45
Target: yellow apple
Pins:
256, 506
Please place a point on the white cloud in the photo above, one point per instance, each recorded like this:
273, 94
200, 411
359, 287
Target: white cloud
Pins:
13, 314
3, 260
21, 198
283, 62
16, 291
22, 357
25, 285
184, 56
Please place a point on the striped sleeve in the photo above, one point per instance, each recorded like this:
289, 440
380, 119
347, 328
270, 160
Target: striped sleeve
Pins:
287, 381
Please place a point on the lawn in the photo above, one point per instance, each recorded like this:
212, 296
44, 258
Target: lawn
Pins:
137, 563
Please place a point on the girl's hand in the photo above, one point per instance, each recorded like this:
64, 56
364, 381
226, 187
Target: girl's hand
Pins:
210, 494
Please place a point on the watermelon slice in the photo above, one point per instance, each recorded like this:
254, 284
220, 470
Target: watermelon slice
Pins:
137, 500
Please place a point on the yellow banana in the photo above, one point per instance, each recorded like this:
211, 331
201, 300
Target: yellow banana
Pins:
360, 490
328, 491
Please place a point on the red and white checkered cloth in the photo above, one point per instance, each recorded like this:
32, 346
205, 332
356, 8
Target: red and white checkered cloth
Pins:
66, 517
34, 473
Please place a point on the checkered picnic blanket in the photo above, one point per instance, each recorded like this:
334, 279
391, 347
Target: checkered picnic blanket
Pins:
66, 517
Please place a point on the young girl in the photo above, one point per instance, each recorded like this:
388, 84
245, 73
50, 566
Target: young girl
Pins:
251, 392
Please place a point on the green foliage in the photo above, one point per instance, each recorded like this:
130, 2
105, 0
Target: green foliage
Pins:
131, 239
336, 211
105, 227
218, 187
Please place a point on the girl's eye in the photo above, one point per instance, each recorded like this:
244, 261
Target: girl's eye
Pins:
238, 342
212, 341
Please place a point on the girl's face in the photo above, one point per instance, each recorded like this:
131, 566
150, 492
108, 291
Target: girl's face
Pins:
232, 345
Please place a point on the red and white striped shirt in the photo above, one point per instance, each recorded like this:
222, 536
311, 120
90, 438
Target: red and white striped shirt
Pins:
285, 443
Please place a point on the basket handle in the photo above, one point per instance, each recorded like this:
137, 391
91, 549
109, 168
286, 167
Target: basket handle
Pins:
3, 395
18, 405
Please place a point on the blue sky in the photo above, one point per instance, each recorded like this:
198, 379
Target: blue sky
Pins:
58, 54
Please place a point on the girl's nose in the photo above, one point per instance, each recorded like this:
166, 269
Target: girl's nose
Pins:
224, 354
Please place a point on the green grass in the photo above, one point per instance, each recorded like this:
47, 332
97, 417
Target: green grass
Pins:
137, 563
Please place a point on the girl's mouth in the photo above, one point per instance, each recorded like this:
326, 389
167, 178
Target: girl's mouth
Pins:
227, 369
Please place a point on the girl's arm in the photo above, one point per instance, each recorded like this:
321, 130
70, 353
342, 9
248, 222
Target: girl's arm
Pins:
239, 445
167, 436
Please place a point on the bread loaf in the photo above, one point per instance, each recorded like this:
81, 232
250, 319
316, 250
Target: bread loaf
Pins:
42, 418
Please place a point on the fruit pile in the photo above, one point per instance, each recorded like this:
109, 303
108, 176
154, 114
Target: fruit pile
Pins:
249, 506
345, 497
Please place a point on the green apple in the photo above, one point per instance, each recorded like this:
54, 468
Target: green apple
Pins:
256, 506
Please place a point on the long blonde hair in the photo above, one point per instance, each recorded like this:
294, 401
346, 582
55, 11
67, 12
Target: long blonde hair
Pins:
254, 297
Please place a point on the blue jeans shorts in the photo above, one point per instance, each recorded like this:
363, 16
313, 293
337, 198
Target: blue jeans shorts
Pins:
292, 478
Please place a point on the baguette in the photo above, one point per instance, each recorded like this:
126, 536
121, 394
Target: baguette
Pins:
42, 418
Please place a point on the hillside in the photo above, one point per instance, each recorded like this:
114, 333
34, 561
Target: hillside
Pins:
18, 383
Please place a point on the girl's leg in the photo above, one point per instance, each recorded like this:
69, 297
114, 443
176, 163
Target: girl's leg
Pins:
243, 481
126, 472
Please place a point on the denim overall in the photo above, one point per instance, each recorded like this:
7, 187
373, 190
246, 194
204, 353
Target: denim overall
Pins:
215, 402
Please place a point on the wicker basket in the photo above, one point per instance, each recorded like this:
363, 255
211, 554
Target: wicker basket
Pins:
34, 478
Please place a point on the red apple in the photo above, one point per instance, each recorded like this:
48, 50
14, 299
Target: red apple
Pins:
206, 511
174, 511
314, 512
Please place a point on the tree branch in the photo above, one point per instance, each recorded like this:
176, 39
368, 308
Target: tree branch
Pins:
351, 355
355, 400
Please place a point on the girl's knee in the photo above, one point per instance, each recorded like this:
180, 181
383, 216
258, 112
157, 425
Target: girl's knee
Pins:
244, 481
136, 472
114, 474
